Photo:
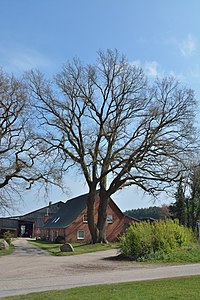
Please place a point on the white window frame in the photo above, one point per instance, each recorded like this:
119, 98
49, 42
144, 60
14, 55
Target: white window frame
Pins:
85, 218
109, 218
80, 237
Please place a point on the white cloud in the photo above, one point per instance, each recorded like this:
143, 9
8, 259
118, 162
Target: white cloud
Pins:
28, 60
178, 76
188, 46
195, 72
151, 68
19, 59
136, 63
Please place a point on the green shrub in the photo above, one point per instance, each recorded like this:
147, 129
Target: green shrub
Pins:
145, 240
135, 243
8, 237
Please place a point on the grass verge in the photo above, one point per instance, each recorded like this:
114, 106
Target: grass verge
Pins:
165, 289
182, 255
10, 250
79, 248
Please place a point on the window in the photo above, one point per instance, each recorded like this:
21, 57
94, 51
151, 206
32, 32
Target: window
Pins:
109, 218
85, 218
81, 235
55, 220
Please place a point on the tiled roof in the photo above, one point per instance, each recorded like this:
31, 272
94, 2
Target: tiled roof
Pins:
68, 212
8, 223
39, 213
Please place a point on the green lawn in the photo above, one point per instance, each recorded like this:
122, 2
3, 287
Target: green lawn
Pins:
79, 248
165, 289
187, 255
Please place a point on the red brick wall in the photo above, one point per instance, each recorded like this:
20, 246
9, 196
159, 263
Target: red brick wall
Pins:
113, 230
78, 224
51, 234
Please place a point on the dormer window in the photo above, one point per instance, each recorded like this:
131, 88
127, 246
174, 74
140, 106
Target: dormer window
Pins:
55, 220
85, 218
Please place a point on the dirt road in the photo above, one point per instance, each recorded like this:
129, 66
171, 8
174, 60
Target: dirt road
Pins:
30, 269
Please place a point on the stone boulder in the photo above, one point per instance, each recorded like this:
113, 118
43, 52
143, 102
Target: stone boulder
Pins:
4, 245
66, 248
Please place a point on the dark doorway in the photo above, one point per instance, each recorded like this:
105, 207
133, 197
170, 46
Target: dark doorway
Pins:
25, 228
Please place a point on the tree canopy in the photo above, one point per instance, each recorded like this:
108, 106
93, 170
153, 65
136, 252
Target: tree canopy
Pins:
155, 212
187, 198
23, 159
117, 128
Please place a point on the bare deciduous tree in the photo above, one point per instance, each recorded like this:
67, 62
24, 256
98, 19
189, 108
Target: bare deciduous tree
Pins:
22, 155
116, 127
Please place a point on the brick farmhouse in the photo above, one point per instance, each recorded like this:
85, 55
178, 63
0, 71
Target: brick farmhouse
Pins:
67, 220
30, 224
70, 222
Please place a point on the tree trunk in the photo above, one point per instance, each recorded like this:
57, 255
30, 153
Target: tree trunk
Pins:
90, 214
102, 216
187, 212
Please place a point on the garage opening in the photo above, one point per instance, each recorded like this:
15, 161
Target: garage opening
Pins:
26, 228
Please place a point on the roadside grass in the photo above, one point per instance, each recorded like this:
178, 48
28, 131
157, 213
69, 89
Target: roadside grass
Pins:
165, 289
182, 255
79, 248
10, 250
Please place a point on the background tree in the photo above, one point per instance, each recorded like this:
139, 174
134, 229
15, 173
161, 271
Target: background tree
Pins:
118, 129
193, 201
141, 213
179, 208
187, 205
21, 152
155, 212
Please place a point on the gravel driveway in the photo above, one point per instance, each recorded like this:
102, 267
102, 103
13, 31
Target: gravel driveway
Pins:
30, 269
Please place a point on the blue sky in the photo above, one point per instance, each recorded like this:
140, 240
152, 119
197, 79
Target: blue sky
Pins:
163, 37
